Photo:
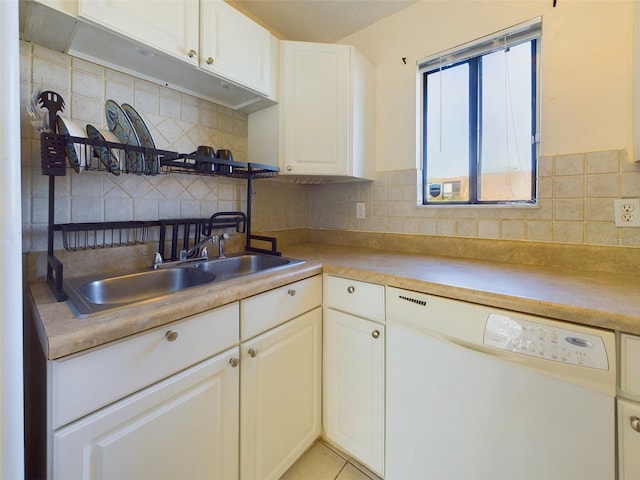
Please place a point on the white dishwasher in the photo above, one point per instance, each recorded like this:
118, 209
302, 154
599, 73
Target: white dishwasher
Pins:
475, 392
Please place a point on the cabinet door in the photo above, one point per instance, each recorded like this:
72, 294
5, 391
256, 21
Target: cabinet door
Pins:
280, 396
353, 406
315, 104
234, 46
183, 427
628, 440
171, 27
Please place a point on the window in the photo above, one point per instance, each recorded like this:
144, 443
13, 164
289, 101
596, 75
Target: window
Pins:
479, 120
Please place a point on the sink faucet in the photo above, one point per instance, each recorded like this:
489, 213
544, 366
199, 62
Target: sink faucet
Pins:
221, 240
199, 250
157, 259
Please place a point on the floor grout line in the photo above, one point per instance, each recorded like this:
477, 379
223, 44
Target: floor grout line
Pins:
343, 467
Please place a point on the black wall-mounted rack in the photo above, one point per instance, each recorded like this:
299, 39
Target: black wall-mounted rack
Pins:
55, 150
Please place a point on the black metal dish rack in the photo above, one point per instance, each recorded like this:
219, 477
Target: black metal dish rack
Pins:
83, 236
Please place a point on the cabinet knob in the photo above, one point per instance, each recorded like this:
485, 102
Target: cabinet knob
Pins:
375, 333
635, 423
289, 168
192, 54
292, 292
252, 352
234, 362
209, 61
171, 335
351, 289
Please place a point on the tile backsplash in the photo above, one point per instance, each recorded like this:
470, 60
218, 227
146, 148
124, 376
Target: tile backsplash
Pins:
177, 122
575, 192
575, 205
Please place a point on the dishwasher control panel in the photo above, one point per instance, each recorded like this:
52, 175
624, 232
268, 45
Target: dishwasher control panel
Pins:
546, 341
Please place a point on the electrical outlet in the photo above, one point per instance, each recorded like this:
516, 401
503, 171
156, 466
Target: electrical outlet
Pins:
627, 212
360, 212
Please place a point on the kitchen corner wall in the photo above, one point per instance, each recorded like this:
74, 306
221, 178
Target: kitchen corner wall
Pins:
576, 191
177, 122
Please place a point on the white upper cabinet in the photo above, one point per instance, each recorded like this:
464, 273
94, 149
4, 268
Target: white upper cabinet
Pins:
204, 48
171, 27
234, 46
315, 108
324, 124
327, 110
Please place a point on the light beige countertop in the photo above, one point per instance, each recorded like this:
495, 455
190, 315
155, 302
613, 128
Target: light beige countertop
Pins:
599, 299
62, 334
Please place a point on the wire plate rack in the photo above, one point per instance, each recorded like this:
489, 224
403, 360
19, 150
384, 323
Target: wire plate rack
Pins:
118, 158
89, 236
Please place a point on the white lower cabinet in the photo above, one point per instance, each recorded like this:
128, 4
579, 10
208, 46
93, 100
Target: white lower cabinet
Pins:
354, 386
280, 405
354, 366
193, 399
628, 405
628, 440
183, 427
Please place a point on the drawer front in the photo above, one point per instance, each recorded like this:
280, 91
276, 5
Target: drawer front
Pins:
630, 366
272, 308
353, 296
87, 382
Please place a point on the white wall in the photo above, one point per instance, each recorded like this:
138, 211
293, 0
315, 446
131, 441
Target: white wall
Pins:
11, 411
586, 68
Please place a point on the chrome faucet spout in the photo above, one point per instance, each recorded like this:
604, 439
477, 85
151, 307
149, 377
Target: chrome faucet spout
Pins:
198, 249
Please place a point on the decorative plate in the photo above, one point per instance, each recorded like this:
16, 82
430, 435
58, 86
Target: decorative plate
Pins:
106, 156
75, 153
152, 164
119, 123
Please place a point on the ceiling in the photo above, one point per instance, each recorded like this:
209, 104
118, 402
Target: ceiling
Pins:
318, 20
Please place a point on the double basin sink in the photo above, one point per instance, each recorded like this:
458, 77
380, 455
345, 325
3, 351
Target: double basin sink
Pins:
96, 294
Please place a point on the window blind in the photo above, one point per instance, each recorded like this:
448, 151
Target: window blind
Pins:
496, 41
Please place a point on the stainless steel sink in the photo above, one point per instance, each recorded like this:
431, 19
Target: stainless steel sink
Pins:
91, 295
244, 264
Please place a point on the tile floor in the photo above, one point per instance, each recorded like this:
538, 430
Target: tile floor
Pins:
322, 462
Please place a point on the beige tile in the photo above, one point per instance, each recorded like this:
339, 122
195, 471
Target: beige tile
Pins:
349, 472
569, 209
545, 167
602, 185
512, 230
319, 463
543, 211
488, 228
568, 232
631, 184
540, 231
569, 164
599, 210
569, 187
603, 162
467, 227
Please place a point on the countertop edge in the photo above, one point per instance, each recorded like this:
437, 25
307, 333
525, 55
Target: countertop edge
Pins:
63, 334
601, 300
